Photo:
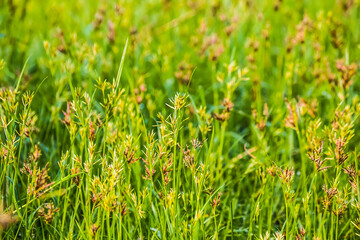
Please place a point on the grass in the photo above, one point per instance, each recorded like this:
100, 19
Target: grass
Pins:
179, 119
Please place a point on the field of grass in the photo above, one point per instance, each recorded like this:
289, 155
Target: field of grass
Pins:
162, 119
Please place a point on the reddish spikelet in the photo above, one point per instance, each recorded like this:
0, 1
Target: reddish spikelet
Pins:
209, 191
130, 156
166, 170
124, 208
261, 121
91, 131
183, 74
26, 169
35, 154
225, 114
286, 175
272, 170
350, 171
216, 201
228, 104
94, 228
67, 115
47, 212
329, 195
111, 34
340, 154
188, 157
148, 173
346, 71
330, 192
41, 183
96, 198
99, 17
301, 234
196, 143
75, 179
315, 156
290, 119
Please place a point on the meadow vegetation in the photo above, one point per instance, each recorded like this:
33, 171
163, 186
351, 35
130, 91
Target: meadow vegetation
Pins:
183, 119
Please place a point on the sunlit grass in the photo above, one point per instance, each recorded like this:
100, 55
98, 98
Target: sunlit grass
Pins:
179, 119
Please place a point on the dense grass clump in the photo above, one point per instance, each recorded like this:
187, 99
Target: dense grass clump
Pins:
179, 119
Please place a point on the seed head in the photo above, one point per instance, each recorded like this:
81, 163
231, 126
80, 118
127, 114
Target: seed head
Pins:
340, 154
286, 175
47, 212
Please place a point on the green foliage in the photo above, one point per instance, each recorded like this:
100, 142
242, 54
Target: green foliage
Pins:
179, 119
